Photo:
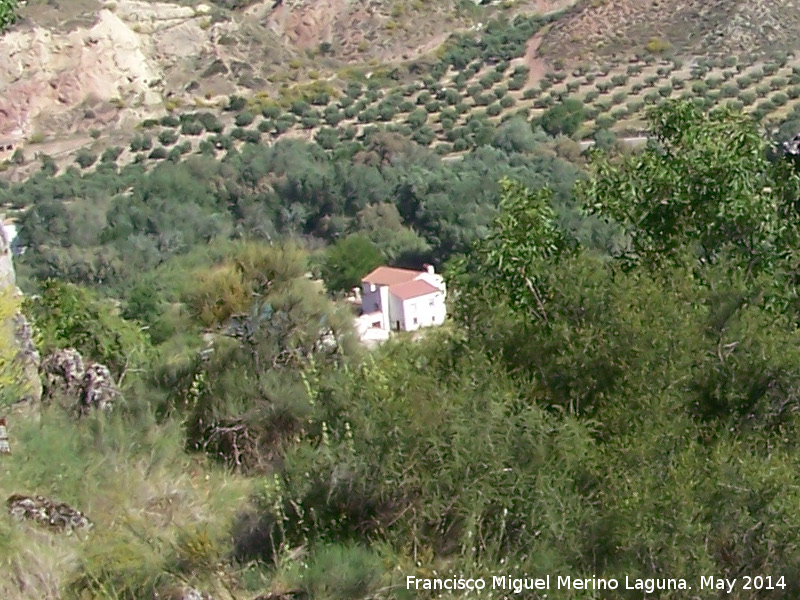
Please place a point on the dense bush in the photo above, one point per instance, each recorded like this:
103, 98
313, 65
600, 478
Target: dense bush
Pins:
563, 118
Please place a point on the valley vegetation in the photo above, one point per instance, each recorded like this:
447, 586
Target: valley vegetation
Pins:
615, 394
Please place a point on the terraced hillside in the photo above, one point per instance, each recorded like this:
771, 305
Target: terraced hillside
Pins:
456, 103
452, 99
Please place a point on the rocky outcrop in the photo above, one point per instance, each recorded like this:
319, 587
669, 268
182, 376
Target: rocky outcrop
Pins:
18, 328
791, 150
84, 388
62, 374
98, 390
182, 593
59, 517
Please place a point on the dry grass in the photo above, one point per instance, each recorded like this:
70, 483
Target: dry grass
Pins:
132, 479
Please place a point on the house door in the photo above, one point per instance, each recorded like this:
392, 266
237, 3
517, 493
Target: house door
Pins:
397, 325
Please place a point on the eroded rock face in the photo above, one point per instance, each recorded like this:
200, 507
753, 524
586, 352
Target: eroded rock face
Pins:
84, 387
56, 516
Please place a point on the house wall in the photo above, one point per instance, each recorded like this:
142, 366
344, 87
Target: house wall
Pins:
428, 310
376, 298
396, 312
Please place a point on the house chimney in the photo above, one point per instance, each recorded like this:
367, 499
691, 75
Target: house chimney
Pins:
429, 269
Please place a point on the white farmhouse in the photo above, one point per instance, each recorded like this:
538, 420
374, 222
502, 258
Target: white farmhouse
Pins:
402, 299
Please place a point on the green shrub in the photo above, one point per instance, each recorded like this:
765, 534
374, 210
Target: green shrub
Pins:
333, 116
251, 136
170, 121
385, 111
312, 119
730, 90
507, 101
619, 113
417, 118
424, 135
779, 99
168, 137
141, 142
236, 103
777, 83
271, 111
748, 97
605, 121
243, 119
736, 104
770, 68
210, 122
327, 138
494, 109
619, 80
85, 158
604, 105
635, 106
192, 128
651, 97
564, 118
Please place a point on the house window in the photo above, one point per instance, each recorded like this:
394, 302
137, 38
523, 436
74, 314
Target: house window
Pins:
432, 303
415, 320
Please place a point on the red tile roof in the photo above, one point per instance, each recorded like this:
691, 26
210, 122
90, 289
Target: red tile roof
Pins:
413, 289
391, 276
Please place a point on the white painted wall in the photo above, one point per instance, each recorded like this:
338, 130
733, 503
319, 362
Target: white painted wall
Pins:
396, 312
428, 310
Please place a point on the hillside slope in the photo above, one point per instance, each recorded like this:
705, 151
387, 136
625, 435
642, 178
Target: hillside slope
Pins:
691, 27
100, 66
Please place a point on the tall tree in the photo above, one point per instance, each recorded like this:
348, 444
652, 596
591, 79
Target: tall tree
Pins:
705, 185
348, 260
